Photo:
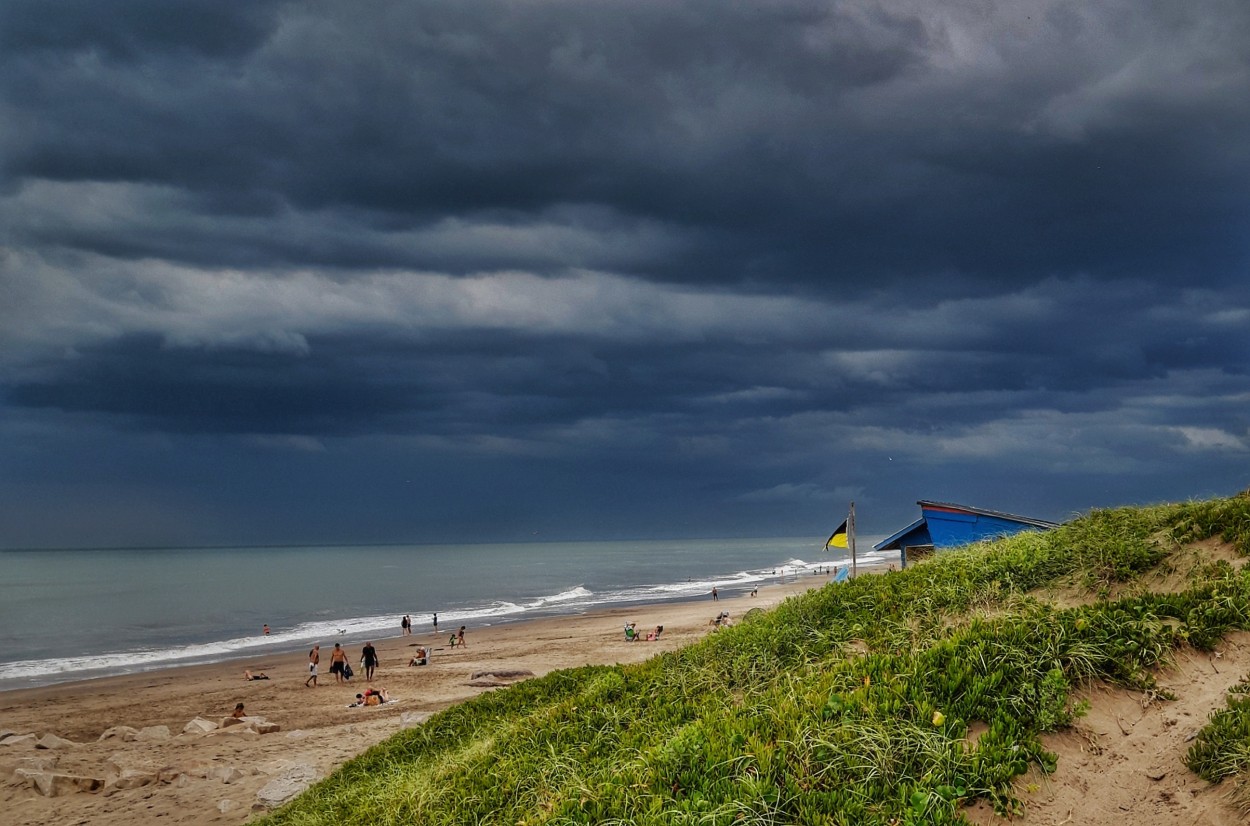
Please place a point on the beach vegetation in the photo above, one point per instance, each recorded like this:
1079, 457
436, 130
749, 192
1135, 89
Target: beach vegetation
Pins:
891, 699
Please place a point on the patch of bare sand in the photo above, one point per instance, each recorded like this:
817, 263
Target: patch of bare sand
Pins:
1172, 575
1123, 762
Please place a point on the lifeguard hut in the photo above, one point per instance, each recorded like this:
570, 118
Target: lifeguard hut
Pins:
946, 525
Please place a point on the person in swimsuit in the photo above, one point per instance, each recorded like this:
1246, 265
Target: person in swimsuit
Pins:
314, 657
238, 711
338, 661
460, 637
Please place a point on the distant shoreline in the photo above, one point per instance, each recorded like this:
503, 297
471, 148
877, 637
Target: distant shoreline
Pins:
354, 640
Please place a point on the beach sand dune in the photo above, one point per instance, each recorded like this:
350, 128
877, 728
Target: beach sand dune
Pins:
1124, 759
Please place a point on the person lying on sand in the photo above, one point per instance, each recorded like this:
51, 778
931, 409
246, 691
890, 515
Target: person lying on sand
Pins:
721, 620
259, 675
371, 697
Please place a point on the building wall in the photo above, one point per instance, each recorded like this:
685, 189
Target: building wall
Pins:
949, 528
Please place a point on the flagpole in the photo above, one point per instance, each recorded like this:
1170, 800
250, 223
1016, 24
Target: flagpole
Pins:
851, 535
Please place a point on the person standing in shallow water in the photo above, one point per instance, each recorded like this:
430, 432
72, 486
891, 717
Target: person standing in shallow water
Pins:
369, 660
435, 622
405, 625
715, 594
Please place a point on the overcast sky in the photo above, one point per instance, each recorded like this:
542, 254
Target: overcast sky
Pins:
544, 269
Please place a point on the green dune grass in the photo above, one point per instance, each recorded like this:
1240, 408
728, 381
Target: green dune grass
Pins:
851, 704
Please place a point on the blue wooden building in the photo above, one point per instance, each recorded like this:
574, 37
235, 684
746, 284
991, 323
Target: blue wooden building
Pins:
944, 525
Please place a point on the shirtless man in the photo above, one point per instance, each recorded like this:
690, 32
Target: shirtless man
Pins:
338, 662
314, 657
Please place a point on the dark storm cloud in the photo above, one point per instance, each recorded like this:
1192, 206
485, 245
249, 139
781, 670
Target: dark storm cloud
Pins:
135, 30
800, 141
682, 264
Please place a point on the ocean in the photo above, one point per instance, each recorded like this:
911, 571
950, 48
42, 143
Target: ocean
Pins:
77, 614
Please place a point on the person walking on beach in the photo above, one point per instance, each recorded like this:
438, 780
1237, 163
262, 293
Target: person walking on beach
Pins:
405, 625
369, 660
314, 657
715, 594
460, 637
338, 662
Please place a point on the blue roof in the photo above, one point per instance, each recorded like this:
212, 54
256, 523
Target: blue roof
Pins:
945, 525
1009, 517
917, 533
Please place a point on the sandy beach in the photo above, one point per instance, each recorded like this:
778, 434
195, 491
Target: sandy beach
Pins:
215, 777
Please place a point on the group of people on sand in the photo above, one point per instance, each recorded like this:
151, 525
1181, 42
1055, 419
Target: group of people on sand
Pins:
632, 634
405, 624
371, 697
339, 665
341, 668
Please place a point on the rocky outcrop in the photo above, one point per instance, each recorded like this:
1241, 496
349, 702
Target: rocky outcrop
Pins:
18, 740
52, 783
51, 741
152, 733
124, 733
239, 725
292, 781
41, 762
124, 770
199, 726
498, 677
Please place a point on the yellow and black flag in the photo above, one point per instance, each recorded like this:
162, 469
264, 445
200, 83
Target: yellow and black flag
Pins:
839, 538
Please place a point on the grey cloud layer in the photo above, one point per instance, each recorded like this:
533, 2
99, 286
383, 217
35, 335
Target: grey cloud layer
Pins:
770, 255
804, 141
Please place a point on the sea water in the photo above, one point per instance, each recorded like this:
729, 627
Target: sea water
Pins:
76, 614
